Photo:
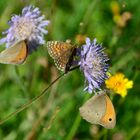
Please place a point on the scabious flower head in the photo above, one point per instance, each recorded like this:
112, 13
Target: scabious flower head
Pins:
93, 63
29, 26
119, 84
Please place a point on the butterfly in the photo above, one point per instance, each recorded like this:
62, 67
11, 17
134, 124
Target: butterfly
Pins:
99, 110
15, 54
62, 53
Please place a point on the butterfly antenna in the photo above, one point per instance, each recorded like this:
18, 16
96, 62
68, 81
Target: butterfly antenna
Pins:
24, 106
74, 68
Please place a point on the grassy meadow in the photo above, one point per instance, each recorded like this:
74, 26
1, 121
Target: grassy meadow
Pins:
55, 116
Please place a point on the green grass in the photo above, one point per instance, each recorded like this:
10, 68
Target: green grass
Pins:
56, 115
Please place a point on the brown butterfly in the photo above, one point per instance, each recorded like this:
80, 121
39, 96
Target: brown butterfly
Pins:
62, 53
15, 54
99, 110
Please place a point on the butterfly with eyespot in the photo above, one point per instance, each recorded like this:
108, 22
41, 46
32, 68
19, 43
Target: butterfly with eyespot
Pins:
63, 54
16, 54
99, 110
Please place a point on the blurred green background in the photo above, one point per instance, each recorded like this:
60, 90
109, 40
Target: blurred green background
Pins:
56, 115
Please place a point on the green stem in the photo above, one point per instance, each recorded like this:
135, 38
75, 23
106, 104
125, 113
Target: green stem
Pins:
75, 124
24, 106
135, 75
105, 134
74, 128
88, 14
133, 133
20, 82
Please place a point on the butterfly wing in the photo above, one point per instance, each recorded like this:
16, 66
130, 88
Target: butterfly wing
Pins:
108, 120
93, 110
99, 110
60, 52
15, 54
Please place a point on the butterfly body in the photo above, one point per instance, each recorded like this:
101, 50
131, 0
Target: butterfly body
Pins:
99, 110
62, 53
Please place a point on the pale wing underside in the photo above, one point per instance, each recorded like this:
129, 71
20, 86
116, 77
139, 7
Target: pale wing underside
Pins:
99, 110
94, 109
15, 54
60, 52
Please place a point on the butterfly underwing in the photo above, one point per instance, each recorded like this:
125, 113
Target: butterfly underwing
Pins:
15, 54
99, 110
62, 53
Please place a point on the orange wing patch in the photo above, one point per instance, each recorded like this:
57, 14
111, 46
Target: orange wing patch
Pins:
15, 54
109, 118
60, 52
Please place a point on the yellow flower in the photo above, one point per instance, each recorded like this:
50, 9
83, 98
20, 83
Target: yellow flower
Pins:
119, 84
115, 7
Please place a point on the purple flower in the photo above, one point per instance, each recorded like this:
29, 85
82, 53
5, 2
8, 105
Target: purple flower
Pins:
29, 26
93, 63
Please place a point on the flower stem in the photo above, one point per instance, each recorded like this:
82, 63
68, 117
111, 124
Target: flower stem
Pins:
21, 83
74, 127
88, 14
75, 124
